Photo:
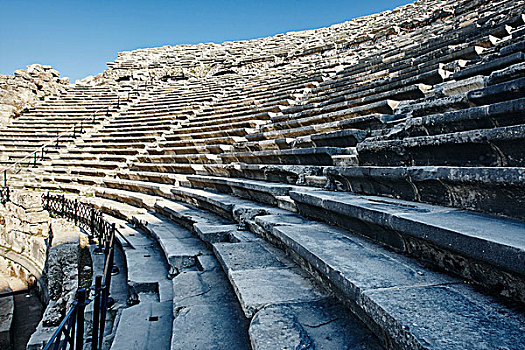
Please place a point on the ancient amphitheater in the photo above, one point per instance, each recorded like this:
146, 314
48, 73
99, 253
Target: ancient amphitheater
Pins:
360, 186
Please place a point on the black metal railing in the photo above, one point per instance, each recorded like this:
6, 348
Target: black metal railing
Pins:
70, 333
82, 214
4, 194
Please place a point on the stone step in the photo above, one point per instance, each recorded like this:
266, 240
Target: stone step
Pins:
269, 193
500, 146
275, 173
202, 298
499, 190
180, 168
332, 114
299, 156
491, 249
201, 142
196, 158
331, 104
340, 139
487, 68
207, 315
238, 132
212, 149
340, 121
411, 305
195, 122
181, 247
505, 113
279, 298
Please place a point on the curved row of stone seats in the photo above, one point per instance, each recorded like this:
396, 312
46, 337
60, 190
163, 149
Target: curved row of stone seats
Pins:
86, 151
213, 131
215, 305
93, 148
189, 172
473, 149
483, 97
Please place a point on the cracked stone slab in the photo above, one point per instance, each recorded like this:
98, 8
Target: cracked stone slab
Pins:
446, 317
196, 287
209, 326
322, 324
258, 288
414, 306
207, 313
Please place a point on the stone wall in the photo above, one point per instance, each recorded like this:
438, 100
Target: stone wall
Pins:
25, 87
61, 270
24, 231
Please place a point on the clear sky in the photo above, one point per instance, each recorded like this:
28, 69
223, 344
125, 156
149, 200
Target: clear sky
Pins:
78, 37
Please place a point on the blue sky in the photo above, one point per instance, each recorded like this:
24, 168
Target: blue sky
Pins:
78, 37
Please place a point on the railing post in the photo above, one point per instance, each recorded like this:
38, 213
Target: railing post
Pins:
81, 299
63, 205
5, 178
81, 126
34, 161
74, 131
56, 146
76, 212
96, 314
42, 156
92, 223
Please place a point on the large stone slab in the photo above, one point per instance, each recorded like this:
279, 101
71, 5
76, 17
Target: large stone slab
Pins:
497, 241
248, 256
209, 326
314, 325
409, 304
260, 287
207, 313
179, 245
146, 326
